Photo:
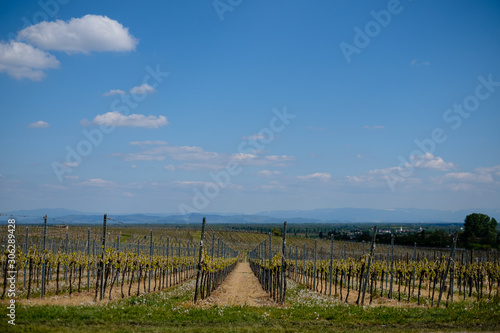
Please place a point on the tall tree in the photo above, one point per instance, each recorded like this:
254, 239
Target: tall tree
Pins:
480, 230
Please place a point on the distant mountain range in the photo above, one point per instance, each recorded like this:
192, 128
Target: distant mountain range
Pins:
328, 215
401, 215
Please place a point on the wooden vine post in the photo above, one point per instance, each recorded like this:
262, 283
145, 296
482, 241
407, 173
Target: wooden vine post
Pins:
88, 259
450, 259
42, 292
283, 267
269, 279
26, 248
314, 267
199, 261
103, 265
367, 278
331, 264
414, 264
150, 260
392, 265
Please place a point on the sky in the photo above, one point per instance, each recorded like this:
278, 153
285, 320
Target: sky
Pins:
248, 106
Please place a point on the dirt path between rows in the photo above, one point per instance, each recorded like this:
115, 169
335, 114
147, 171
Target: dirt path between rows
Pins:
241, 287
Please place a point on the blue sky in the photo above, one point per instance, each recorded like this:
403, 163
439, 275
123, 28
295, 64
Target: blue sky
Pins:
246, 106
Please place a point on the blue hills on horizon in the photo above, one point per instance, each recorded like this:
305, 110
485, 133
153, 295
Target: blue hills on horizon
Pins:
327, 215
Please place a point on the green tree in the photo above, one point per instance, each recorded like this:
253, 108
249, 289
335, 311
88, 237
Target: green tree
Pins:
480, 231
365, 236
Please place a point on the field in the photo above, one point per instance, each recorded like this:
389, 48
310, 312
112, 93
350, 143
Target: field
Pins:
150, 277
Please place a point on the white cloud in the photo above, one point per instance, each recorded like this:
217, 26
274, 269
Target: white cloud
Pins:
202, 166
169, 167
273, 185
85, 34
481, 175
195, 183
190, 183
70, 164
85, 122
21, 61
429, 161
241, 157
142, 89
268, 173
159, 153
469, 177
196, 158
55, 187
114, 92
359, 179
97, 182
138, 90
324, 177
139, 157
39, 124
187, 153
279, 160
144, 143
257, 136
419, 63
425, 161
254, 160
117, 119
384, 171
494, 170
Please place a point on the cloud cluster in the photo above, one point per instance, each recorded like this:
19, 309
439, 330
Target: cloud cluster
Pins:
80, 35
324, 177
196, 158
268, 173
143, 89
117, 119
424, 161
483, 177
39, 124
97, 182
27, 58
21, 60
114, 92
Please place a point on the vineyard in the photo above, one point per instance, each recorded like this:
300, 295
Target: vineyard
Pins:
413, 278
118, 263
68, 266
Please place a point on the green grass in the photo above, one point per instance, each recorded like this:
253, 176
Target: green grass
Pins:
306, 312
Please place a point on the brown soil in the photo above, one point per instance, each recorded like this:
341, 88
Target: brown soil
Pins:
241, 287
